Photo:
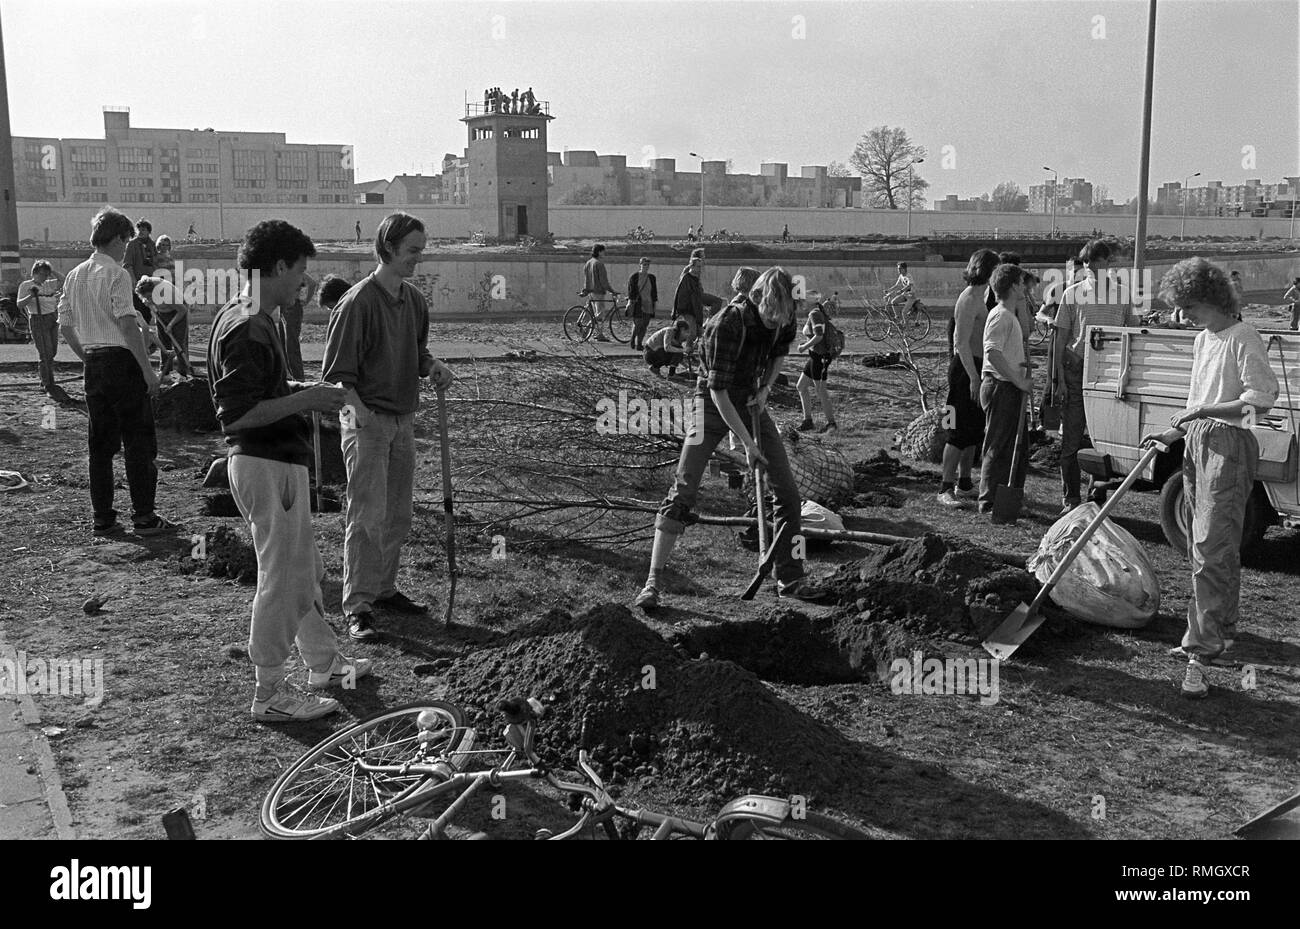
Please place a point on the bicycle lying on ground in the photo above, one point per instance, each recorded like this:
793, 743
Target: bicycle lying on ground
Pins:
910, 318
400, 762
583, 320
640, 234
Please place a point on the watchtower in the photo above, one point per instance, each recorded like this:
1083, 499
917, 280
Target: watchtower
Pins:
507, 174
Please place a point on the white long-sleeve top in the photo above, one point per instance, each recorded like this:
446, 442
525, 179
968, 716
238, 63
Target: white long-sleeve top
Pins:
1232, 364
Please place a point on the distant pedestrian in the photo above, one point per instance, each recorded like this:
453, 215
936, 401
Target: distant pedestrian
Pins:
1238, 289
163, 258
358, 232
642, 295
38, 298
595, 285
785, 233
690, 233
815, 370
139, 261
98, 319
1293, 295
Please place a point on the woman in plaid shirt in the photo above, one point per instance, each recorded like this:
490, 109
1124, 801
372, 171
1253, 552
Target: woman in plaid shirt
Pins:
742, 349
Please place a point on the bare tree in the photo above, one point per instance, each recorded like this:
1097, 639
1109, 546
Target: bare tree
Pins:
1099, 196
838, 169
1006, 196
882, 156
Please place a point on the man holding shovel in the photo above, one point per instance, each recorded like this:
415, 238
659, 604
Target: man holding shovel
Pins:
742, 349
377, 348
1006, 386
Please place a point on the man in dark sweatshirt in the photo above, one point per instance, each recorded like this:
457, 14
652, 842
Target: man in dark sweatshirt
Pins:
377, 347
269, 451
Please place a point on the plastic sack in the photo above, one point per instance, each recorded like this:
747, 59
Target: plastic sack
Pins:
815, 516
1112, 581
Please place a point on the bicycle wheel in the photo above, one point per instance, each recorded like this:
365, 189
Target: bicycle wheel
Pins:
1039, 335
876, 325
325, 793
620, 326
578, 323
916, 324
810, 827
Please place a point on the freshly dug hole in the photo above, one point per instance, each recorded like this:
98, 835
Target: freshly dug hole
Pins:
709, 727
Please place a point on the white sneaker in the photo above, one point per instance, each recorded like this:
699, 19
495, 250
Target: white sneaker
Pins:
948, 498
973, 492
341, 670
292, 706
1194, 685
1178, 652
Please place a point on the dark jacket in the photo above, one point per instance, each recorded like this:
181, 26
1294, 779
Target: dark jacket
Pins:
139, 257
689, 299
634, 293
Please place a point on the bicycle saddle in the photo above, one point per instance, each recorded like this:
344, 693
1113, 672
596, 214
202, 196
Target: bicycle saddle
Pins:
520, 710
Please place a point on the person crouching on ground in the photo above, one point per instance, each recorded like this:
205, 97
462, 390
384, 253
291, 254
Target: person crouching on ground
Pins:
377, 346
742, 349
814, 371
666, 346
1232, 383
269, 452
1006, 384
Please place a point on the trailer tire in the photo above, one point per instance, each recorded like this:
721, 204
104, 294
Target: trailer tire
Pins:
1175, 515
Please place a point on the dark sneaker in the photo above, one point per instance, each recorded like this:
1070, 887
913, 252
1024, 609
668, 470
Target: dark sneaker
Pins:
361, 627
108, 529
805, 426
648, 598
401, 603
831, 426
805, 590
154, 525
1067, 508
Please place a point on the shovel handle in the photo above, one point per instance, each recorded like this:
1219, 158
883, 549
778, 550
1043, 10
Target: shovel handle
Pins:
1093, 526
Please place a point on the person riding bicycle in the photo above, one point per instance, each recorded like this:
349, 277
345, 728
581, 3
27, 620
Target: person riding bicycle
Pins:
901, 296
595, 285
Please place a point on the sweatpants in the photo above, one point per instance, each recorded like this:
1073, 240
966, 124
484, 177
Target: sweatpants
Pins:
1002, 421
675, 511
1073, 426
380, 460
1219, 465
288, 607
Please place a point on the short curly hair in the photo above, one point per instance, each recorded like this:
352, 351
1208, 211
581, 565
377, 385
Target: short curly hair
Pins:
332, 289
1196, 280
274, 240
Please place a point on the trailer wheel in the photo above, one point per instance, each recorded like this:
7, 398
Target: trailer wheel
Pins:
1176, 515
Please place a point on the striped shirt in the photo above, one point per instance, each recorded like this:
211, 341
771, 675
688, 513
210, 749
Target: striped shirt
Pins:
1088, 303
97, 293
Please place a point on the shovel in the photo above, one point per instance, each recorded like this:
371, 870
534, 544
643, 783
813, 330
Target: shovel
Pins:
1008, 499
446, 504
315, 446
766, 549
1024, 620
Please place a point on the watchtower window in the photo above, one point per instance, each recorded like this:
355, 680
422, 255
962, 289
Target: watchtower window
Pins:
519, 132
483, 134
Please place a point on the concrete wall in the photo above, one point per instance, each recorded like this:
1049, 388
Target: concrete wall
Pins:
521, 284
70, 222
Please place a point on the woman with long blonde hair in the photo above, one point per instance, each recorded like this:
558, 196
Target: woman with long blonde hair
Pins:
742, 350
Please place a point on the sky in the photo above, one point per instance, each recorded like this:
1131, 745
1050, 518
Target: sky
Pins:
993, 90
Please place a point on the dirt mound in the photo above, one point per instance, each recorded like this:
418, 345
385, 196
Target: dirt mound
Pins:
874, 480
643, 710
224, 553
186, 406
931, 586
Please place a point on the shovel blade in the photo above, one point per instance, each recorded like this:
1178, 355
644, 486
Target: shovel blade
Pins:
1019, 625
1006, 503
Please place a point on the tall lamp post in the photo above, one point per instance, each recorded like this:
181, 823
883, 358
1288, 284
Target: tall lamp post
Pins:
701, 157
1055, 177
911, 184
1182, 227
11, 274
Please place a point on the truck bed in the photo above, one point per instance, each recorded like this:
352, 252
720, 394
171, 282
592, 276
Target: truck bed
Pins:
1136, 378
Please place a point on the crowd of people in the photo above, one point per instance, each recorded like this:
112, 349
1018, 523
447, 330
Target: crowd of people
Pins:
377, 352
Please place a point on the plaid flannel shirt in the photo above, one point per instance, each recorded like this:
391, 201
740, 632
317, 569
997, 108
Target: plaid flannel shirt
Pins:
735, 347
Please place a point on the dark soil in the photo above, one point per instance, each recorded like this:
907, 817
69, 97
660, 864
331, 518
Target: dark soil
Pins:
186, 406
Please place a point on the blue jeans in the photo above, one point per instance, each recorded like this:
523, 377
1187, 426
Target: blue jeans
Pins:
675, 511
380, 460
